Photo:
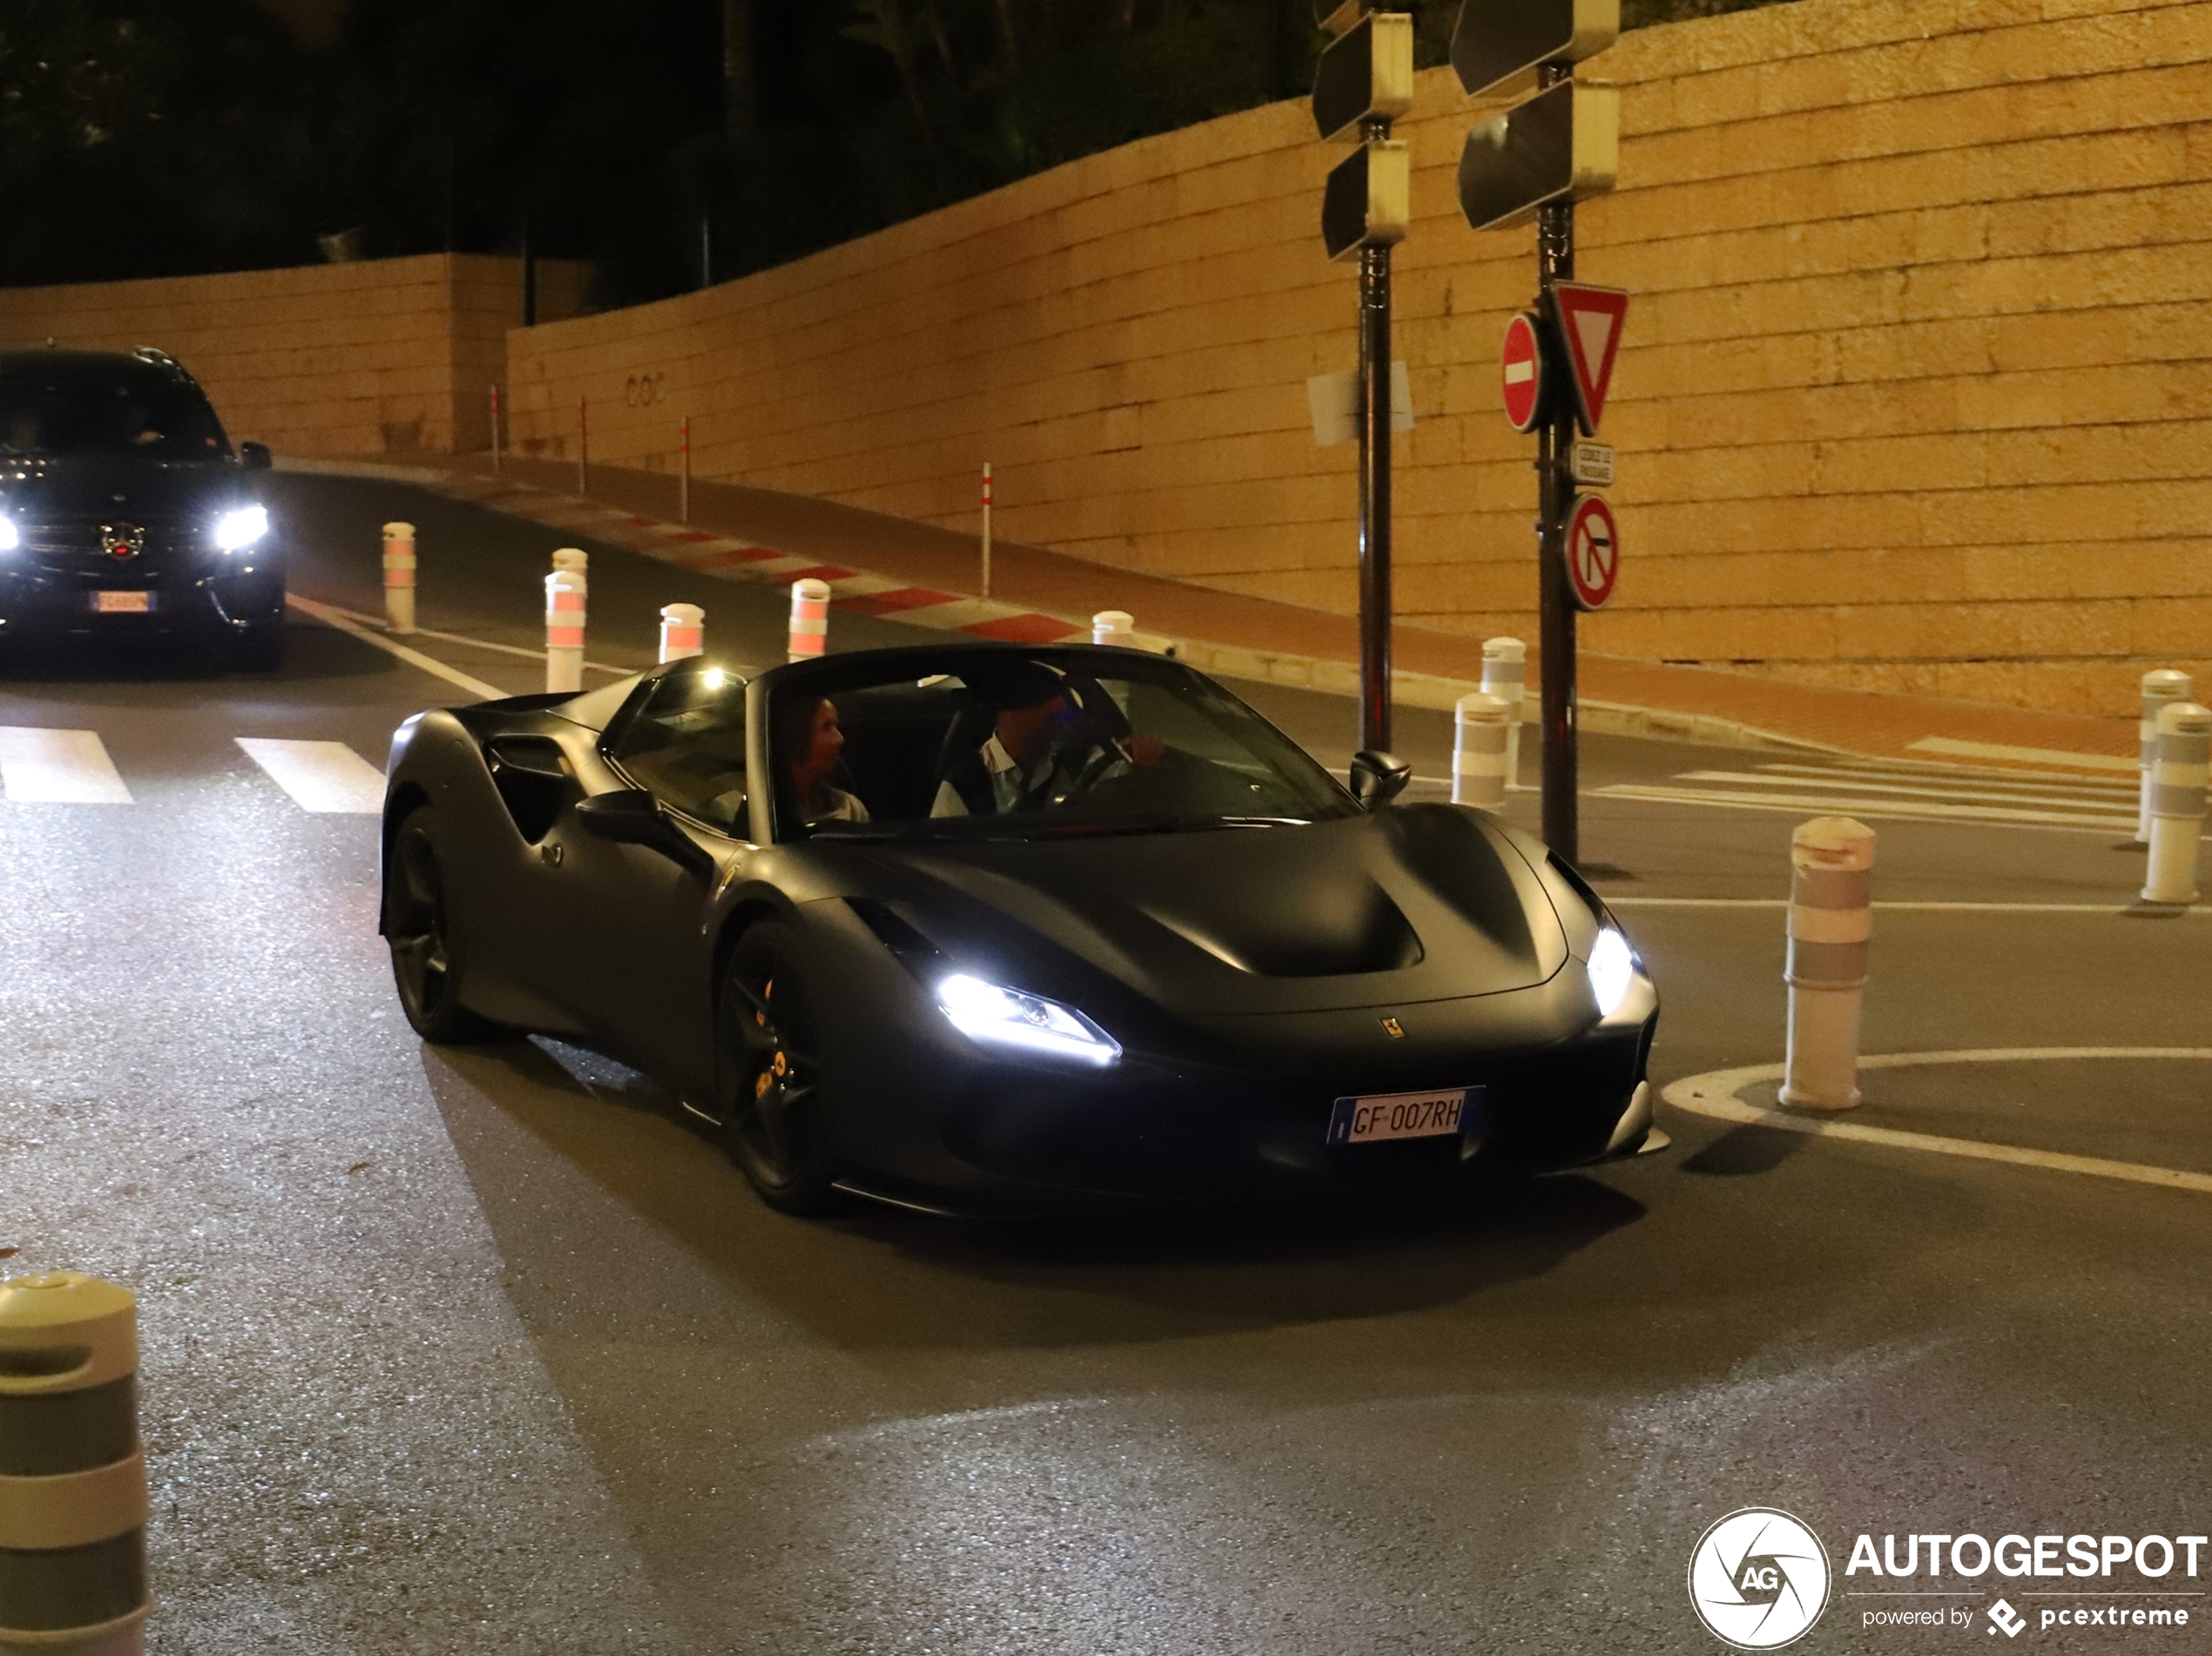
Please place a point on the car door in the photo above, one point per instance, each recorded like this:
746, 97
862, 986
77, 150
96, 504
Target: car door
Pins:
637, 966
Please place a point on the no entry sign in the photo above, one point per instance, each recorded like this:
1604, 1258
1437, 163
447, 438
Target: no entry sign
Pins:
1521, 368
1593, 552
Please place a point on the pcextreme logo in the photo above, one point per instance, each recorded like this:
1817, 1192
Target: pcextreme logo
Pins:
1758, 1578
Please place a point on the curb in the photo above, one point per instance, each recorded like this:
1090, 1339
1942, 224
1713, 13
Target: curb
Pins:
865, 593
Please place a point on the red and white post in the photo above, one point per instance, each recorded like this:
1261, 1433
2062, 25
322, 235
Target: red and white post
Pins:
986, 530
583, 450
684, 473
810, 601
1117, 627
399, 577
683, 631
1481, 734
2163, 687
1831, 924
566, 589
2177, 802
1505, 675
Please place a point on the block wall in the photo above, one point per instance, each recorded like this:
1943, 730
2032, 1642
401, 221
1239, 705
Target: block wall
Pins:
387, 355
1916, 391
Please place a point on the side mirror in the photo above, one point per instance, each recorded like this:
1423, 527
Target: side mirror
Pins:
1377, 779
254, 457
632, 817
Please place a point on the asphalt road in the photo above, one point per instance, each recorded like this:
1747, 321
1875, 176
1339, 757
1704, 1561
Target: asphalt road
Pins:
483, 1350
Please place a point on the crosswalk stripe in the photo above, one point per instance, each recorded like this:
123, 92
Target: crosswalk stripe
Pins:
1896, 810
41, 766
2015, 781
2008, 796
322, 776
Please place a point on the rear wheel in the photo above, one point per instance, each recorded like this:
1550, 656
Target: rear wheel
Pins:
776, 1122
418, 926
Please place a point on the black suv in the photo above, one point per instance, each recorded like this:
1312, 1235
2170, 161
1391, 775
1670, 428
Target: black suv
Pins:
124, 510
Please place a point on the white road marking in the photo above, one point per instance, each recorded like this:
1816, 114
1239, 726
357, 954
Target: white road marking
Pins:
332, 617
1905, 906
322, 776
1990, 815
58, 767
1714, 1094
2030, 755
1919, 787
376, 622
2037, 781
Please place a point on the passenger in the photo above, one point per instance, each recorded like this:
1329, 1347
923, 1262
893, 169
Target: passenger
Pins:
807, 735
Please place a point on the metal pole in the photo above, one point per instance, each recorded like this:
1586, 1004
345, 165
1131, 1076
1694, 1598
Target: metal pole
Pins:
684, 505
583, 450
986, 530
1555, 634
494, 429
1374, 486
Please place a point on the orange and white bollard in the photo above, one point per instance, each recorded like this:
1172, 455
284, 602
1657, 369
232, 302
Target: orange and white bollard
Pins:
1481, 733
809, 619
683, 631
566, 589
2177, 802
399, 577
1831, 924
72, 1475
1117, 627
1505, 675
2162, 687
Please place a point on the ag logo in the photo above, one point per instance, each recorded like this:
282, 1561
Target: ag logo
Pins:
1758, 1578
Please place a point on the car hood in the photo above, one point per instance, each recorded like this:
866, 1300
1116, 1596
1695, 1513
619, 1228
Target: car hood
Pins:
1420, 902
118, 486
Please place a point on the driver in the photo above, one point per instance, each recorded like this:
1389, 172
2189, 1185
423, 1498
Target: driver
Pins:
1035, 752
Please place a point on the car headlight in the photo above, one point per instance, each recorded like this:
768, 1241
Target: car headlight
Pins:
237, 529
1612, 968
10, 537
1007, 1017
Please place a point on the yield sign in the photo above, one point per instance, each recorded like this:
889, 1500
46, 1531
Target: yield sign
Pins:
1589, 323
1520, 371
1593, 552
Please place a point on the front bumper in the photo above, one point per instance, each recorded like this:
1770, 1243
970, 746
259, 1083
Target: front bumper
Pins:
209, 599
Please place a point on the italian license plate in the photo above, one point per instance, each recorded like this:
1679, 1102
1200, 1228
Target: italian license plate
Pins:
1403, 1115
123, 602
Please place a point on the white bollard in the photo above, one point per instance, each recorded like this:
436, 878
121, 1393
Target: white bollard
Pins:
2162, 687
1505, 674
399, 577
683, 631
72, 1475
1114, 626
1481, 736
809, 619
566, 589
1831, 918
2177, 802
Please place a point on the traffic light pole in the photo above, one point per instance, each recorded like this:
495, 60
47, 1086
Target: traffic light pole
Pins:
1555, 600
1374, 487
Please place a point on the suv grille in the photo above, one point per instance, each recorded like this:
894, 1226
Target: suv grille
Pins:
75, 541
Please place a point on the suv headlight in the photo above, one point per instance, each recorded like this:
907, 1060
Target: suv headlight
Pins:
1612, 968
999, 1016
10, 537
235, 530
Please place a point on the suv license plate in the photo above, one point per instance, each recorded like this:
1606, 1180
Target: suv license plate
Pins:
123, 602
1399, 1115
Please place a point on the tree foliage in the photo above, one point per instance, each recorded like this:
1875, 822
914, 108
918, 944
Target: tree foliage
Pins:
143, 138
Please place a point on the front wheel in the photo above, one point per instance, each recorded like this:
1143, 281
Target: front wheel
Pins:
776, 1122
419, 927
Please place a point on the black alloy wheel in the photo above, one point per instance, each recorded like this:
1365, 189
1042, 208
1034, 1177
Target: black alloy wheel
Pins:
776, 1124
420, 933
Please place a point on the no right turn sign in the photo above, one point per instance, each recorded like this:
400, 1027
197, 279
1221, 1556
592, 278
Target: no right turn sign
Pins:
1593, 552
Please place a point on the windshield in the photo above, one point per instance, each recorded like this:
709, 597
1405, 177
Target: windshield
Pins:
134, 413
1034, 745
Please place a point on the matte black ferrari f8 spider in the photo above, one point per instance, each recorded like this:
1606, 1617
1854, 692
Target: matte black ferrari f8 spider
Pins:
990, 929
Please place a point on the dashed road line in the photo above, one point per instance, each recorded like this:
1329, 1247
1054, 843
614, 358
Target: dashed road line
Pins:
332, 617
1714, 1095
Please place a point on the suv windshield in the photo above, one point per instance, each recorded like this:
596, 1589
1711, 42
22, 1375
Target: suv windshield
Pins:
131, 413
1034, 744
